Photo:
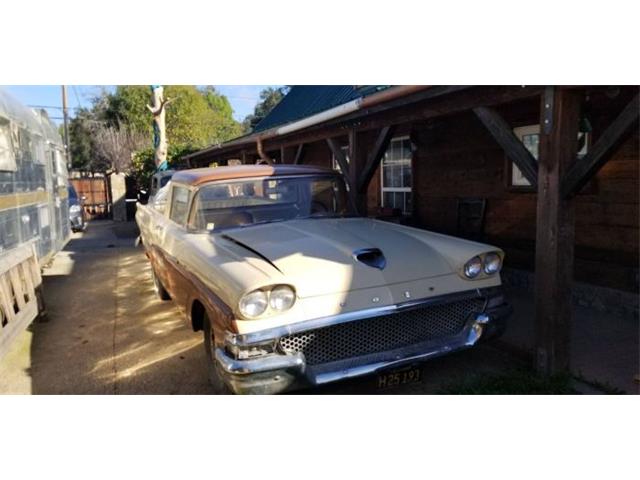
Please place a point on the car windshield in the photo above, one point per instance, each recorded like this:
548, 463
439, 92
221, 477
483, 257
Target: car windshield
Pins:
247, 202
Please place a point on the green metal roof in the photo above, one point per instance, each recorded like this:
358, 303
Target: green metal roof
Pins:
305, 100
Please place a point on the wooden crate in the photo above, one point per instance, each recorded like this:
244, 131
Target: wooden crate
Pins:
19, 279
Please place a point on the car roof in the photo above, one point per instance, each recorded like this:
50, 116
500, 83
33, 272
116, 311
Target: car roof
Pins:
199, 176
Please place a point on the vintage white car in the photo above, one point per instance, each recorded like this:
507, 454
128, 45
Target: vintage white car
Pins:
291, 288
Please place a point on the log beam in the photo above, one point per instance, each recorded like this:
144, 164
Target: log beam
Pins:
299, 158
555, 231
340, 157
583, 169
510, 143
375, 156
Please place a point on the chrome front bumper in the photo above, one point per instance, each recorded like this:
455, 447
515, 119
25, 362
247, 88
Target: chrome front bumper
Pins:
276, 372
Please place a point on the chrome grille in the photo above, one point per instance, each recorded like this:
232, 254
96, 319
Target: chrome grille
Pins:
380, 334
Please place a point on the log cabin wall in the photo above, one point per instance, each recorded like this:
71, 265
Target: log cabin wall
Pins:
317, 153
457, 158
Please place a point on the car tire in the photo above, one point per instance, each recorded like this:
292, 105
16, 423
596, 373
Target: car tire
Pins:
161, 292
215, 379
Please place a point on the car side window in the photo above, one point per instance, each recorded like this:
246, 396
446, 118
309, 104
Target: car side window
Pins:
179, 205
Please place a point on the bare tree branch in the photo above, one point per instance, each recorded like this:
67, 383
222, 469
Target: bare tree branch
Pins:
117, 145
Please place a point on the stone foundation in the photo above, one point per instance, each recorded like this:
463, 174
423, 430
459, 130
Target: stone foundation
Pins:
602, 299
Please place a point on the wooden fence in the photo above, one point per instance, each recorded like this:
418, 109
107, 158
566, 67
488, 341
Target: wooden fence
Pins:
96, 193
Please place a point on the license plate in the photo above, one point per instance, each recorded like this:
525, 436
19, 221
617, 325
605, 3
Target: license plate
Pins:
396, 378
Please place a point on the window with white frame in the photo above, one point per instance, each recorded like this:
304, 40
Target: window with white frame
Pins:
396, 175
530, 137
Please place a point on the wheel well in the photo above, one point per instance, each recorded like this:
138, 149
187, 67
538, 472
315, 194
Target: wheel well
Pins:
197, 315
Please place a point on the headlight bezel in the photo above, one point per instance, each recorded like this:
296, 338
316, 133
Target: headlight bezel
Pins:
481, 261
285, 293
490, 257
478, 262
254, 294
75, 208
270, 308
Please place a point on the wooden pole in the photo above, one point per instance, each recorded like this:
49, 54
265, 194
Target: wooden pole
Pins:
65, 116
560, 110
356, 165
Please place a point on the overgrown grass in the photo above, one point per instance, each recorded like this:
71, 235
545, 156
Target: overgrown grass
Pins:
515, 382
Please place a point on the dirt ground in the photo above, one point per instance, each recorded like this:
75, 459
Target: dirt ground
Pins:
107, 333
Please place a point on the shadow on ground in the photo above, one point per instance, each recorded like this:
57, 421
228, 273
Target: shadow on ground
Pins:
106, 332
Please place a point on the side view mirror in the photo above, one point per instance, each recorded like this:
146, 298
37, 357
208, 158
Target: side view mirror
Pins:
143, 197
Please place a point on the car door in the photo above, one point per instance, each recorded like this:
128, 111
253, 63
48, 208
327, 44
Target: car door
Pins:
172, 239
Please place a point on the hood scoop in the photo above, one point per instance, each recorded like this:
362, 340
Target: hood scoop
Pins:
372, 257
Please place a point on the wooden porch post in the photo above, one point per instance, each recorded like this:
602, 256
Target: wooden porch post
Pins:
357, 161
559, 114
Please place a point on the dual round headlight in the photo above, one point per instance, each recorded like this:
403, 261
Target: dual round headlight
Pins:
473, 267
279, 299
490, 264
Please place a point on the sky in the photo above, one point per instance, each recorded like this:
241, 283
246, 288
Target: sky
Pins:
242, 97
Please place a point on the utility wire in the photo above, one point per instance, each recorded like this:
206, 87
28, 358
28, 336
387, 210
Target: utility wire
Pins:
51, 106
75, 92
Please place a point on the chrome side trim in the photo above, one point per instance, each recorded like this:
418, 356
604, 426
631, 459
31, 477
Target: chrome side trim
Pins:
277, 332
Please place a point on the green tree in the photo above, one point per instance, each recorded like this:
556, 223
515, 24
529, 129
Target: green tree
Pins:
228, 127
144, 163
218, 102
269, 98
126, 106
81, 142
195, 118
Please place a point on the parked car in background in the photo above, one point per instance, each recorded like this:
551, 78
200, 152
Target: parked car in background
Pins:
76, 211
292, 288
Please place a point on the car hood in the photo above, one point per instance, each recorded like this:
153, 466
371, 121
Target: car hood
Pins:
319, 256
